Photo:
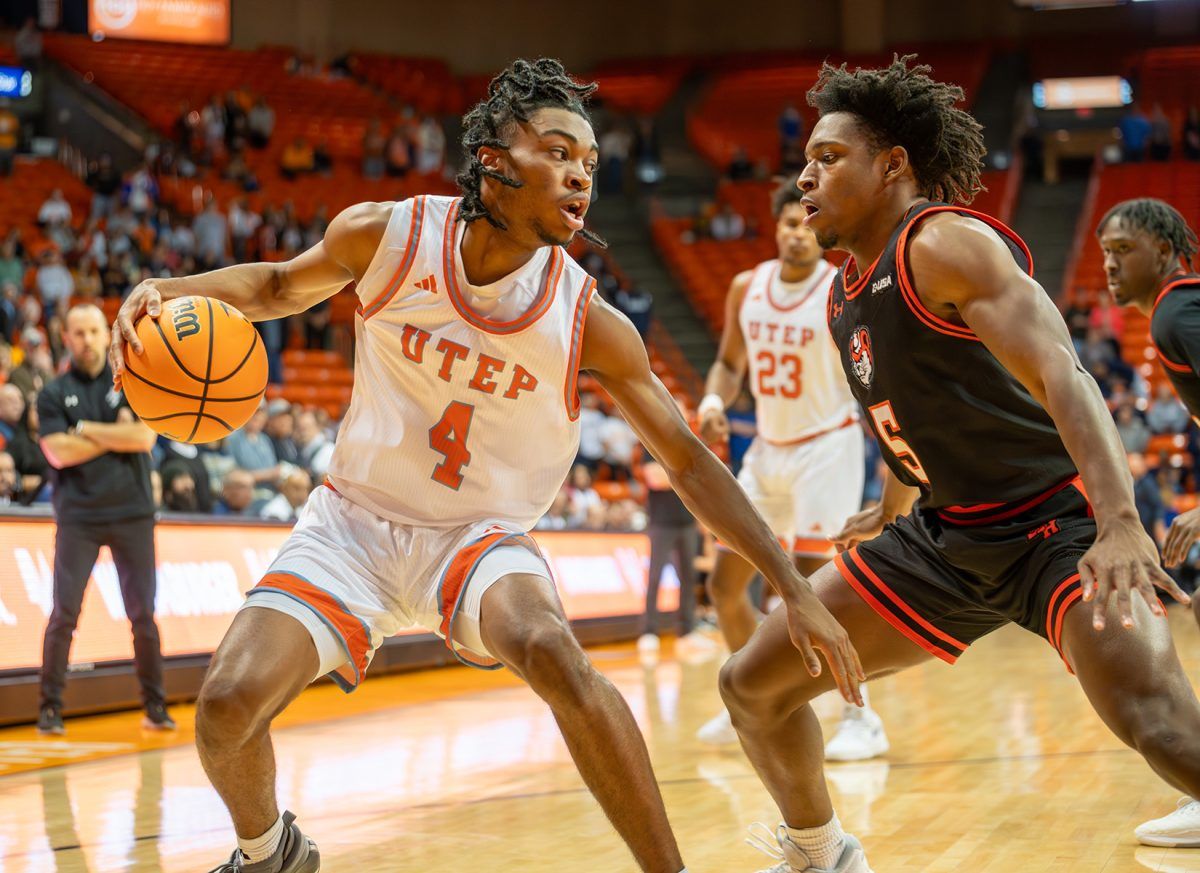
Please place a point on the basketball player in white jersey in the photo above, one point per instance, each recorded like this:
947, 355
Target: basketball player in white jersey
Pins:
804, 470
463, 424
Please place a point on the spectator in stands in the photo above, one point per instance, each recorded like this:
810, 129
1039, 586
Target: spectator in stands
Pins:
293, 494
740, 169
637, 304
237, 170
186, 456
558, 515
251, 449
10, 312
1148, 499
178, 488
742, 429
32, 467
791, 128
399, 152
141, 192
591, 431
296, 159
87, 278
27, 44
117, 277
314, 231
182, 239
212, 123
1160, 135
237, 494
727, 224
10, 482
1191, 135
374, 149
1135, 132
280, 427
647, 154
10, 134
1167, 414
54, 283
12, 268
243, 225
54, 210
1135, 436
212, 233
1098, 347
431, 146
260, 123
318, 333
615, 144
105, 182
316, 449
12, 407
619, 443
586, 507
37, 368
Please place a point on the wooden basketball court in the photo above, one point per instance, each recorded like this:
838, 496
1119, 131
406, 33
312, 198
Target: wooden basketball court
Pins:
997, 766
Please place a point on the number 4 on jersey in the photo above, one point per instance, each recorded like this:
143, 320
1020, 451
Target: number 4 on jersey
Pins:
449, 437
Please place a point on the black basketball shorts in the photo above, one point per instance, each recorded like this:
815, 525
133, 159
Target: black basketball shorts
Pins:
944, 578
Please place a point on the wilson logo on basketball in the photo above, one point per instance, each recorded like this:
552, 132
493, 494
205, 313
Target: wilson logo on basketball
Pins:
862, 362
185, 320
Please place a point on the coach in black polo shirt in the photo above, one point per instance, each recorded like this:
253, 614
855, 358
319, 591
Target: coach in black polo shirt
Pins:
99, 454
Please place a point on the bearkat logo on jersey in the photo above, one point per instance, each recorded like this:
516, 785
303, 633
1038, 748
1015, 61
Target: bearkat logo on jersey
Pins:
861, 360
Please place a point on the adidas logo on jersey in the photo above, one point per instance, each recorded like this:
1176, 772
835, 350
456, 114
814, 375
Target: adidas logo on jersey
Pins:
429, 283
881, 285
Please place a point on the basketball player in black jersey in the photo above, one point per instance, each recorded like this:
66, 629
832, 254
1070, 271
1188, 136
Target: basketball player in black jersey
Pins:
965, 369
1148, 252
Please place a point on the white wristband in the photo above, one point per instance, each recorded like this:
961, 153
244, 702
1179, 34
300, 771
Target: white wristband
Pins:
710, 403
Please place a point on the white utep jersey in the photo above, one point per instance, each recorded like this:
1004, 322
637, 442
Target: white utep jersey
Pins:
795, 373
456, 417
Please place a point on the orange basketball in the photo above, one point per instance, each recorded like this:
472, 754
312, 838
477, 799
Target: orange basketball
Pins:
202, 371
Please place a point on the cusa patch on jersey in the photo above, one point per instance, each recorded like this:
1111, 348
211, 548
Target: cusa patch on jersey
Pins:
861, 360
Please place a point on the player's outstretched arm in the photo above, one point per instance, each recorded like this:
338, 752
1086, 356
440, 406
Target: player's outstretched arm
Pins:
613, 352
961, 266
729, 369
263, 291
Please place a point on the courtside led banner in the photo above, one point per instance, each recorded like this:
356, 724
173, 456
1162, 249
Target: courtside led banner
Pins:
194, 21
205, 570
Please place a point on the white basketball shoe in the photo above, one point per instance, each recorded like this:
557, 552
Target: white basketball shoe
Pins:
1179, 830
792, 858
718, 731
859, 737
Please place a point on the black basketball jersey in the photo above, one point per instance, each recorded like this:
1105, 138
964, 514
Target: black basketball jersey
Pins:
1175, 332
950, 419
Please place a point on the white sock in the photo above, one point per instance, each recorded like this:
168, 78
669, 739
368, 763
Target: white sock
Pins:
822, 845
849, 710
261, 848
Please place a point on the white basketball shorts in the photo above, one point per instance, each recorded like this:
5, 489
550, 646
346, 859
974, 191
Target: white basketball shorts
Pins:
353, 579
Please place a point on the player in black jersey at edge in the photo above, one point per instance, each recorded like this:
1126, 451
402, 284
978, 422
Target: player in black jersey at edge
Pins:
965, 369
1148, 250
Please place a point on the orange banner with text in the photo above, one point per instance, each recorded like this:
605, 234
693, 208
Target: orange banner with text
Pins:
204, 571
194, 21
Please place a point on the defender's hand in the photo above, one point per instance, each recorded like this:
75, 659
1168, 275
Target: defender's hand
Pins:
813, 628
145, 299
859, 528
1121, 561
1185, 530
714, 427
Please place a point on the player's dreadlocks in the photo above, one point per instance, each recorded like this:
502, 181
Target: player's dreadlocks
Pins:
1159, 219
901, 105
513, 96
787, 192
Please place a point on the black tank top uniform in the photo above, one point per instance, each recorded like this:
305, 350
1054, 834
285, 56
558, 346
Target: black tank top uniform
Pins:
1175, 332
1002, 518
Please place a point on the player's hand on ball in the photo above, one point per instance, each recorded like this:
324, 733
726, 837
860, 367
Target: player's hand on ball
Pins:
1124, 560
145, 299
1185, 530
859, 528
813, 628
714, 427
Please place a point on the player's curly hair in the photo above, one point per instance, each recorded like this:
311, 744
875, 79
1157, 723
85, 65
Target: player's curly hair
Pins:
787, 192
901, 105
514, 96
1159, 219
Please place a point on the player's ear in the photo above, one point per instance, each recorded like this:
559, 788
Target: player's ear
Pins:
1166, 252
895, 165
491, 158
